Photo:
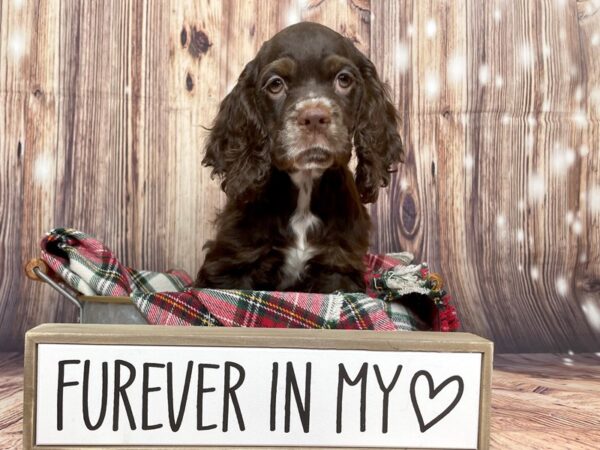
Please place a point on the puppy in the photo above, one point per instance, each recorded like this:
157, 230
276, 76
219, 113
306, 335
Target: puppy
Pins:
281, 143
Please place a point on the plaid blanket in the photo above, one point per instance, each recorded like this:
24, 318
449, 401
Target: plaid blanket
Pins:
395, 288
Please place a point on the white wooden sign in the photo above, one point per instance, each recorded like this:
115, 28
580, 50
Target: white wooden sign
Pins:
219, 388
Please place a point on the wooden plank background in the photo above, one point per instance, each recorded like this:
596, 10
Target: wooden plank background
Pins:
102, 105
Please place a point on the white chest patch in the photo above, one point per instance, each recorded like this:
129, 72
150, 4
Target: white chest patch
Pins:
297, 254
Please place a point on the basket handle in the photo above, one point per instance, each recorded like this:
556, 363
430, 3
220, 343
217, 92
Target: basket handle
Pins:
36, 269
32, 265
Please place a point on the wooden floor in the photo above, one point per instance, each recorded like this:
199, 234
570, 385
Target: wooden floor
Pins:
538, 401
546, 402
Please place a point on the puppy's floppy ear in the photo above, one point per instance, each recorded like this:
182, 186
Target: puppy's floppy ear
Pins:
238, 145
376, 139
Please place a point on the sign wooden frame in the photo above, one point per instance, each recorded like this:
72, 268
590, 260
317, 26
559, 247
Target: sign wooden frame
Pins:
247, 337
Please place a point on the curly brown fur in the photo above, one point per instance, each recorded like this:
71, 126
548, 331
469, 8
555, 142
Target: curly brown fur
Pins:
281, 143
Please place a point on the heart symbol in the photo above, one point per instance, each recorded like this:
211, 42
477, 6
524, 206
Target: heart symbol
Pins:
432, 393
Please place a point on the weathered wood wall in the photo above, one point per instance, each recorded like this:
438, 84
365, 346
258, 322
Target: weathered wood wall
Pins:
102, 105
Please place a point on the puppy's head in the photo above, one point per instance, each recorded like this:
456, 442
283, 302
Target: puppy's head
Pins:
305, 100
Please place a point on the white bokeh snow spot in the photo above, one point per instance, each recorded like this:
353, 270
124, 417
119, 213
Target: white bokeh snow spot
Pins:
484, 74
402, 57
403, 184
562, 34
562, 159
497, 15
292, 16
527, 55
546, 105
529, 142
17, 44
546, 50
579, 118
500, 221
577, 226
43, 168
520, 235
534, 272
537, 187
430, 28
591, 309
469, 162
499, 81
569, 217
457, 65
432, 85
593, 199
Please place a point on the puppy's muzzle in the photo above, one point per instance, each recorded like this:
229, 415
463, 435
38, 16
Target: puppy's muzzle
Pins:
314, 124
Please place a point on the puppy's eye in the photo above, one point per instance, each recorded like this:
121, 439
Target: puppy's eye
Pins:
344, 81
275, 86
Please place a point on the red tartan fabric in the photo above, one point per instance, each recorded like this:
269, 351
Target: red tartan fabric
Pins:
89, 267
263, 309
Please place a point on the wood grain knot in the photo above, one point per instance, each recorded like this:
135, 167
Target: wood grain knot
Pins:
350, 34
189, 82
408, 214
183, 37
37, 93
199, 43
363, 5
588, 287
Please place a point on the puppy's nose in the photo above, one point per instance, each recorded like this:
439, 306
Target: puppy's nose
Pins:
314, 118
